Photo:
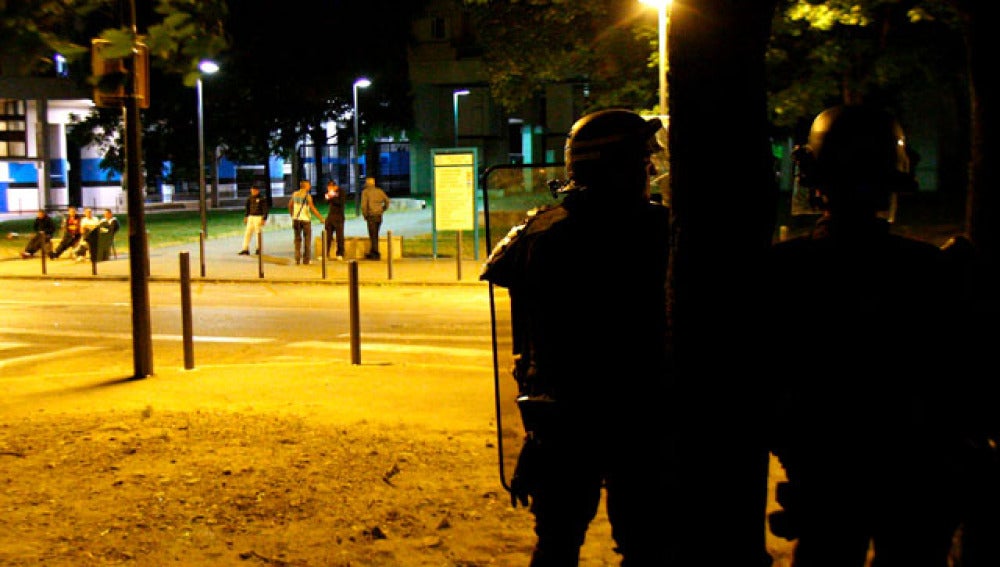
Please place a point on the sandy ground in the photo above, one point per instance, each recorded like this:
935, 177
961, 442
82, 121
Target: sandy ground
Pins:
298, 464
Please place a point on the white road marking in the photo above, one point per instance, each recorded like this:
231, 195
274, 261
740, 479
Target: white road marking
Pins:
398, 348
12, 345
128, 336
46, 355
417, 336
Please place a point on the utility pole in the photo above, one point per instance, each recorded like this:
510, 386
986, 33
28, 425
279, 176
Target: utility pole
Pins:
142, 337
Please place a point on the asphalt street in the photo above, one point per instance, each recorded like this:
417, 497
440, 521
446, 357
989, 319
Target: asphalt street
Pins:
44, 365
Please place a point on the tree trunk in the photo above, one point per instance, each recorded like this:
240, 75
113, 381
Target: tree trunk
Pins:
723, 204
983, 207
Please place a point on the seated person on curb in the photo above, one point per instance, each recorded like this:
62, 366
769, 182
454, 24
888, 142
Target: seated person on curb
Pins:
71, 233
88, 223
44, 229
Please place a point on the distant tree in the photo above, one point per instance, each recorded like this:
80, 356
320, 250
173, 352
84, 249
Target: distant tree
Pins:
295, 73
179, 34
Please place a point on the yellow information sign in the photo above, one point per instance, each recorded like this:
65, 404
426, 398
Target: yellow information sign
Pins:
454, 191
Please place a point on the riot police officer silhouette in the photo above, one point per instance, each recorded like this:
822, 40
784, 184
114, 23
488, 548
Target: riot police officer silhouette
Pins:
861, 346
587, 279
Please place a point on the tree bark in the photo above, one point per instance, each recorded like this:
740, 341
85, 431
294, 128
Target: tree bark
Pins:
723, 204
983, 208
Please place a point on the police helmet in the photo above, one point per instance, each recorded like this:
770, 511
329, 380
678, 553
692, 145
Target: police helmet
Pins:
854, 147
608, 145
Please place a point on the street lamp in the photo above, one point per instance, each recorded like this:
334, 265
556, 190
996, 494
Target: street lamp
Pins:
206, 67
454, 105
662, 8
362, 83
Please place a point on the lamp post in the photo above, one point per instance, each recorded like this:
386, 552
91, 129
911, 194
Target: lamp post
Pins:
662, 8
454, 105
206, 67
360, 83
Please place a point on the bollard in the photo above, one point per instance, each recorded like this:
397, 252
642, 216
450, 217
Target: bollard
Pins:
324, 251
201, 248
388, 253
45, 258
352, 285
185, 279
260, 254
93, 263
458, 254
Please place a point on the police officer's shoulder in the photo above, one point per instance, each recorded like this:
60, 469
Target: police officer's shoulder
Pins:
497, 266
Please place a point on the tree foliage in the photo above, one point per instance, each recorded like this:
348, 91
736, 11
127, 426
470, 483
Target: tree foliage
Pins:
820, 53
603, 44
823, 53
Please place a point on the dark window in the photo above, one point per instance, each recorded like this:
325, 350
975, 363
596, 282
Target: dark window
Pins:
12, 128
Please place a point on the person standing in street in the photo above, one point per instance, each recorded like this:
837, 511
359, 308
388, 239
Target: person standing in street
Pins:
254, 217
591, 401
44, 229
301, 207
335, 198
70, 235
374, 203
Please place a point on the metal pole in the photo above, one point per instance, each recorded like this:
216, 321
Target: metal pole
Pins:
458, 253
142, 337
364, 83
201, 251
323, 252
201, 165
454, 104
388, 253
186, 326
352, 281
357, 158
662, 13
260, 254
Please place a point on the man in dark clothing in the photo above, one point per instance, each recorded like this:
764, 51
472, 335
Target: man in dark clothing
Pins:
254, 217
335, 198
71, 233
590, 397
863, 345
374, 203
44, 229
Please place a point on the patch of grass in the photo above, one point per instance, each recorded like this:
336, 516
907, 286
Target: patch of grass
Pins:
162, 229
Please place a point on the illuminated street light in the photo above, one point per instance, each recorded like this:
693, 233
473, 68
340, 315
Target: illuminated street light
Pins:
362, 83
454, 98
207, 68
662, 8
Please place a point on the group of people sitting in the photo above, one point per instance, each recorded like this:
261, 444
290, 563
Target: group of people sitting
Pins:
77, 233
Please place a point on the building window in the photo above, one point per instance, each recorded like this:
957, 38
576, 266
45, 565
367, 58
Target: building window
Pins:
13, 137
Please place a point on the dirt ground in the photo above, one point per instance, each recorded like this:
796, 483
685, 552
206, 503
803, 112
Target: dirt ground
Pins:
94, 474
219, 488
214, 488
